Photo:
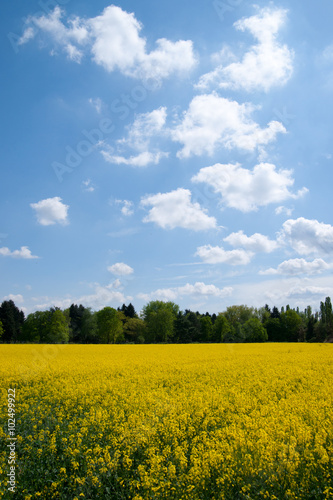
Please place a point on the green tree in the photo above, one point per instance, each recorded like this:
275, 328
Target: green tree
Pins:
238, 314
58, 332
12, 321
254, 331
128, 311
182, 328
89, 327
194, 331
221, 328
274, 329
206, 329
110, 326
134, 330
291, 324
76, 318
46, 327
1, 329
160, 319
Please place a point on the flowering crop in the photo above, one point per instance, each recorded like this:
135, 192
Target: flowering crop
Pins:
185, 422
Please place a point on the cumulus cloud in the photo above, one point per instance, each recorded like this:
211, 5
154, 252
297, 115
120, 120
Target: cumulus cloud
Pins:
217, 255
175, 209
23, 253
145, 126
212, 122
114, 42
51, 211
295, 267
199, 289
120, 269
266, 64
256, 243
141, 134
247, 190
100, 297
307, 236
18, 298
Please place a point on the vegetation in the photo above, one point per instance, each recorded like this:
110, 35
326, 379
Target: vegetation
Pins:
163, 322
170, 422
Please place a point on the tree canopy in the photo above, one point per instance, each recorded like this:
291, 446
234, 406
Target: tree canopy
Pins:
161, 322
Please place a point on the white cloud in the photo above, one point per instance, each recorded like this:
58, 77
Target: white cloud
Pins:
199, 289
175, 209
257, 242
51, 211
284, 210
23, 253
28, 34
300, 291
127, 207
87, 186
64, 36
247, 190
327, 54
217, 255
120, 269
212, 122
140, 160
141, 133
101, 296
294, 267
97, 104
265, 65
145, 126
18, 299
113, 39
307, 236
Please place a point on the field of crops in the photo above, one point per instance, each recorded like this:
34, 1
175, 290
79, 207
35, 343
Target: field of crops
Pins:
169, 421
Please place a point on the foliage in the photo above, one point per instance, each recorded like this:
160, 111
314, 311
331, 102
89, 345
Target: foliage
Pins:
164, 322
12, 320
128, 311
221, 328
254, 331
134, 330
160, 318
109, 324
46, 327
171, 422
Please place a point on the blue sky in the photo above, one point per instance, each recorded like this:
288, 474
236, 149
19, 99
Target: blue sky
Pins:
175, 151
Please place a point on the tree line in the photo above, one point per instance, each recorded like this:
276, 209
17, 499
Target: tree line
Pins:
164, 322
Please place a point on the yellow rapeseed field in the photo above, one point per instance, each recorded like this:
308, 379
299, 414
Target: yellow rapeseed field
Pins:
194, 422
